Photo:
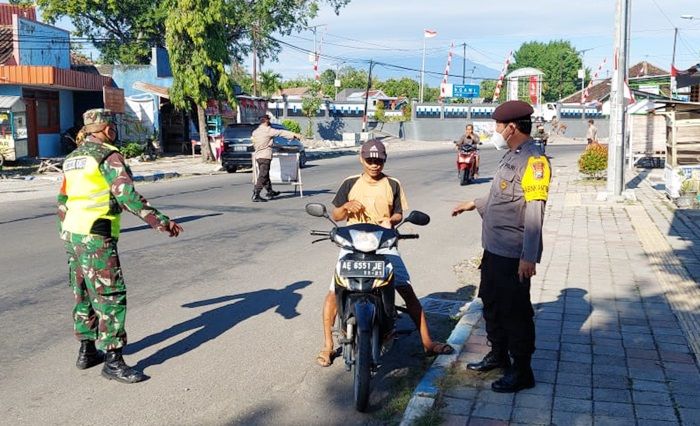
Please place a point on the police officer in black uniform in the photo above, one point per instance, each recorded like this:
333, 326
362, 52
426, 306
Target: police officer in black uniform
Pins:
512, 214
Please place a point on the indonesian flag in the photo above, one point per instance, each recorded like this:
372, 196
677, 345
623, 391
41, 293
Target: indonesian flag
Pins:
629, 95
429, 33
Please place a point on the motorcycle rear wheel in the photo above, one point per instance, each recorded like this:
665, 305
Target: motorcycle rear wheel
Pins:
363, 365
464, 176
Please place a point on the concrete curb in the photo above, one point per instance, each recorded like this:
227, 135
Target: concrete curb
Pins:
154, 176
427, 391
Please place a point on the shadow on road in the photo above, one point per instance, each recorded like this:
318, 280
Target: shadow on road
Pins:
213, 323
180, 220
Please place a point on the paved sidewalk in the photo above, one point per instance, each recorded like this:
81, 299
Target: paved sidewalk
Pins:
617, 300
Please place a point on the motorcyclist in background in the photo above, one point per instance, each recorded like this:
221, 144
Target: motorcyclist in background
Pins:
469, 137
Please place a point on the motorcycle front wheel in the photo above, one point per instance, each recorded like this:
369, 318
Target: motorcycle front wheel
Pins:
363, 365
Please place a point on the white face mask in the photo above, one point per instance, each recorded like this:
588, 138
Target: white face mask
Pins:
498, 141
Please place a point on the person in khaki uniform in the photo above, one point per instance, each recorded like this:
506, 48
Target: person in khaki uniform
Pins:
263, 140
512, 214
374, 197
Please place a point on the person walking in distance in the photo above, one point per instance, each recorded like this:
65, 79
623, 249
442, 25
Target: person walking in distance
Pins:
513, 214
592, 132
263, 140
97, 186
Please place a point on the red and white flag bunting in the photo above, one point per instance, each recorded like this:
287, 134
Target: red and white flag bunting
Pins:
499, 83
443, 93
584, 95
429, 33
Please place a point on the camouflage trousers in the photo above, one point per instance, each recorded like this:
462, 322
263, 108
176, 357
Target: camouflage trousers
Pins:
99, 290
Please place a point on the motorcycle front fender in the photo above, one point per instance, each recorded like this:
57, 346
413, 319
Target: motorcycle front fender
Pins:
365, 312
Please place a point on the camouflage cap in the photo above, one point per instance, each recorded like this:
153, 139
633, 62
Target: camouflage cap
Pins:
96, 119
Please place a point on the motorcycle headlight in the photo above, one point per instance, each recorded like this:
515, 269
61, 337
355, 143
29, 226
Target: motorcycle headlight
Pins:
342, 241
365, 241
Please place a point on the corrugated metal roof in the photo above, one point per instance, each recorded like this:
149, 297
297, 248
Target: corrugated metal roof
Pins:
6, 44
6, 102
52, 76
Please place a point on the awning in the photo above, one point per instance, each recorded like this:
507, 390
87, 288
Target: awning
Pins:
52, 77
7, 102
152, 88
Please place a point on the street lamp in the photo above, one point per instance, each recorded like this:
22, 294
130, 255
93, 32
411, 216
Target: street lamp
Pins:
689, 17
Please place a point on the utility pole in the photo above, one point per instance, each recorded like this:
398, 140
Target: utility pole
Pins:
422, 72
673, 64
616, 157
369, 84
464, 62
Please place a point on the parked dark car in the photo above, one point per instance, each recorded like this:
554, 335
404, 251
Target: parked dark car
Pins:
238, 146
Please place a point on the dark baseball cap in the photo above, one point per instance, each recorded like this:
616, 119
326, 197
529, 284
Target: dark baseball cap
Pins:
511, 111
373, 148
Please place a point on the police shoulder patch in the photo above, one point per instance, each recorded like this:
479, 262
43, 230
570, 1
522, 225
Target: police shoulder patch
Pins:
536, 178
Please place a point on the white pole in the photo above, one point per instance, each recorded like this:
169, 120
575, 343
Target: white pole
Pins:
616, 156
422, 71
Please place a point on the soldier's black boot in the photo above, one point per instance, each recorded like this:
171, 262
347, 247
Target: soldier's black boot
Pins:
88, 355
116, 369
257, 198
497, 358
271, 194
517, 378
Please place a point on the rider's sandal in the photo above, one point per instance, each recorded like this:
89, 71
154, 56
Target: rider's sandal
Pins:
325, 358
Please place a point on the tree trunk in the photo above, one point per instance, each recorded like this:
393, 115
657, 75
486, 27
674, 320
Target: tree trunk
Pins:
207, 154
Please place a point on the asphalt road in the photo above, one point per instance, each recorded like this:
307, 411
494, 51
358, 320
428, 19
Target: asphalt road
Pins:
226, 318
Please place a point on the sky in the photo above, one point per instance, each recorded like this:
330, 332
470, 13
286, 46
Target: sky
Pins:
391, 31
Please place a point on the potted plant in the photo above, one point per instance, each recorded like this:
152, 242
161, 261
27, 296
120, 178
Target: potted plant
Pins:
687, 193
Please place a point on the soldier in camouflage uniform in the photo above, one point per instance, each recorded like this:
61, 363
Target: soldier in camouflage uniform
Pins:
97, 186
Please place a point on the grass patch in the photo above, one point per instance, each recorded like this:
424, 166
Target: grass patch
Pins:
591, 182
401, 391
431, 417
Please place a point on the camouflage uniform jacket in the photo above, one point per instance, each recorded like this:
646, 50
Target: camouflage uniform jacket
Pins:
118, 175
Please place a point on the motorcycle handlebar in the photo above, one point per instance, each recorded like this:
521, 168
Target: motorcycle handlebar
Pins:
321, 233
409, 236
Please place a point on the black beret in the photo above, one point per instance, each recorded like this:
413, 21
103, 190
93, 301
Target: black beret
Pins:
511, 111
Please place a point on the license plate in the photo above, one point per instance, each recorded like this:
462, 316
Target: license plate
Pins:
240, 148
362, 268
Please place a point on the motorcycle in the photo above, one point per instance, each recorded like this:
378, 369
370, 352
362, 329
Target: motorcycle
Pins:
466, 163
364, 291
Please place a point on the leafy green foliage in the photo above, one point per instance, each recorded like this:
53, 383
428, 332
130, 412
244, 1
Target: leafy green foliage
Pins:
131, 149
122, 30
291, 125
379, 112
406, 112
404, 87
488, 88
269, 83
310, 105
557, 59
594, 160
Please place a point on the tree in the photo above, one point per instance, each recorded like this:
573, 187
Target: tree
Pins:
242, 78
379, 112
487, 89
196, 39
403, 87
269, 83
309, 106
351, 78
123, 31
327, 79
558, 60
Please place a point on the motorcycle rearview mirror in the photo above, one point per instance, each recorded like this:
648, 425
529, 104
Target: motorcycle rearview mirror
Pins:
319, 210
316, 209
417, 218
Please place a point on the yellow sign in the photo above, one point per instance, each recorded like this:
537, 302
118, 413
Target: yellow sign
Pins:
536, 179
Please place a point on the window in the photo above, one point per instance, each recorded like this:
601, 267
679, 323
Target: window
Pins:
47, 117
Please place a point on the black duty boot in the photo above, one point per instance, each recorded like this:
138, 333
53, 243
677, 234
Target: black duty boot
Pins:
88, 355
495, 359
272, 194
257, 198
116, 369
517, 378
